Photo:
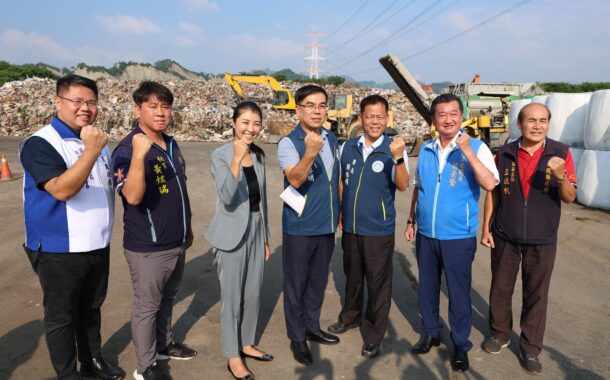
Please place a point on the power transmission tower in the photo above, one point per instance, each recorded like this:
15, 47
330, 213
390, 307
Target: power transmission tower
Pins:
314, 69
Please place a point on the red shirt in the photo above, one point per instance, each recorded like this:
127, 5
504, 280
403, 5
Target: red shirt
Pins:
528, 163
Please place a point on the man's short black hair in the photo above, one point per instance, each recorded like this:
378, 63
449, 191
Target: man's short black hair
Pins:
64, 83
307, 90
372, 100
149, 89
446, 98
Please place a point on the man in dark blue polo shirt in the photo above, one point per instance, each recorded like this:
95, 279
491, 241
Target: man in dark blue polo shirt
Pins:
149, 173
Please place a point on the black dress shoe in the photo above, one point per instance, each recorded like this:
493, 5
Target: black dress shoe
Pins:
340, 327
301, 352
99, 368
249, 376
322, 337
425, 343
459, 361
370, 351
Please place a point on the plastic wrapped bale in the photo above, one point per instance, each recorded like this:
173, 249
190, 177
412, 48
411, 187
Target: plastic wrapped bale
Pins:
540, 99
594, 179
568, 117
597, 125
576, 156
515, 106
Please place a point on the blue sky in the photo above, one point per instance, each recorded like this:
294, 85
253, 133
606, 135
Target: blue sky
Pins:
536, 40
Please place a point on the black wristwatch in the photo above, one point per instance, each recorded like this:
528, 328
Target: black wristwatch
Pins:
411, 221
401, 160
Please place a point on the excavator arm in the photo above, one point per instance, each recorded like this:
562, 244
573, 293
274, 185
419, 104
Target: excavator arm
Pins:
282, 97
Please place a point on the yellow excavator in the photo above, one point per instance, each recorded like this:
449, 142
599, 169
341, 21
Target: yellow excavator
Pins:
282, 97
341, 119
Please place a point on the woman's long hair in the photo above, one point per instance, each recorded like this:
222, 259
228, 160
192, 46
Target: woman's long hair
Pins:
253, 107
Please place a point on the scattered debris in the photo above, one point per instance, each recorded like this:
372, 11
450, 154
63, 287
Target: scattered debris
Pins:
202, 108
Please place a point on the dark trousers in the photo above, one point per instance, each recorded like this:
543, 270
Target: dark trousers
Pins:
305, 263
536, 263
454, 257
370, 258
74, 287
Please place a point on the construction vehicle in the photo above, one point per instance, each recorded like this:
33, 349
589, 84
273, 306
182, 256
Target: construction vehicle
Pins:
282, 97
341, 117
486, 105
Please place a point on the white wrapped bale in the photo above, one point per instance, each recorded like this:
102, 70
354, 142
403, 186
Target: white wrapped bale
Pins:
540, 99
594, 179
597, 125
568, 117
515, 106
576, 156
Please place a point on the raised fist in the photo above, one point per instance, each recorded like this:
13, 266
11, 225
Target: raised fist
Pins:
557, 166
240, 149
463, 142
93, 138
141, 145
313, 143
397, 147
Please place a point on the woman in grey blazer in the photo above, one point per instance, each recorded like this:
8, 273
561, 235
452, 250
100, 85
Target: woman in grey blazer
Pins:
239, 233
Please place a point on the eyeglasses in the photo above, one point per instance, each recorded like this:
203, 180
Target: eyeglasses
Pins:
78, 103
310, 106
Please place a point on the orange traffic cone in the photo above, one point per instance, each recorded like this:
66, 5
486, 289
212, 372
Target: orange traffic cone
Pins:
6, 171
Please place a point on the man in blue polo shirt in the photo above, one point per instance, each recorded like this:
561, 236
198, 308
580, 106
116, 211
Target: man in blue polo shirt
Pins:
309, 158
451, 169
149, 173
372, 167
68, 207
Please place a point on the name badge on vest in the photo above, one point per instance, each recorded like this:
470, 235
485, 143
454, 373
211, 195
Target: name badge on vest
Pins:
377, 166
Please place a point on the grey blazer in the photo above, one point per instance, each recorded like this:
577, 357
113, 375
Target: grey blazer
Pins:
230, 221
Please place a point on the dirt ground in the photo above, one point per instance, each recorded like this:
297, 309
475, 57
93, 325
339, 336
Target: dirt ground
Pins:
577, 339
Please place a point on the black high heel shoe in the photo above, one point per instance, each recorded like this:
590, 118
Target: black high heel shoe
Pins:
249, 376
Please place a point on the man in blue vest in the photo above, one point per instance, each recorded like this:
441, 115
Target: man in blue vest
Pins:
372, 167
309, 158
450, 171
68, 206
150, 177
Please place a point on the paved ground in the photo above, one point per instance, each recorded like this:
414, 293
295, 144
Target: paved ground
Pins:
577, 338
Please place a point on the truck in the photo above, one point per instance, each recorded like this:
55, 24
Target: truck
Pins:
486, 105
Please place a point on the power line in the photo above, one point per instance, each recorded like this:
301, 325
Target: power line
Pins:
469, 29
384, 41
486, 21
361, 31
347, 21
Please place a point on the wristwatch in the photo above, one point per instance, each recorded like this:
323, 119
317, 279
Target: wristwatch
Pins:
411, 221
399, 161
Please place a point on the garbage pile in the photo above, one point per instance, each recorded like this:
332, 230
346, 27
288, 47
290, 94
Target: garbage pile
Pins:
202, 108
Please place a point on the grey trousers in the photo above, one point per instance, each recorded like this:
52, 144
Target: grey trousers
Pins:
240, 272
155, 278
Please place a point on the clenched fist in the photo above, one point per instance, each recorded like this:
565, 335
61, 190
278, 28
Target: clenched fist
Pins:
313, 143
141, 145
240, 149
463, 142
557, 166
93, 138
397, 147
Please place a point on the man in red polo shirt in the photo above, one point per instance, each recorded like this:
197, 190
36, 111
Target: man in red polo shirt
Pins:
536, 174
